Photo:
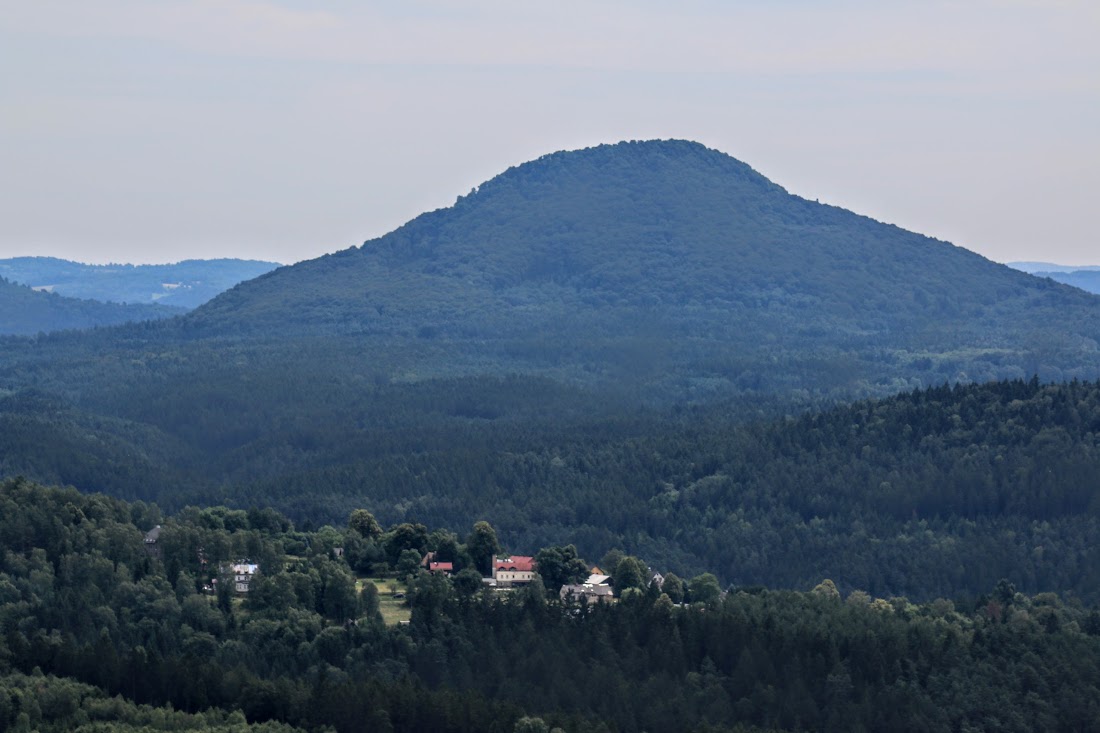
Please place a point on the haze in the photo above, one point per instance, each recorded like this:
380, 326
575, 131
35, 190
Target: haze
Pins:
153, 132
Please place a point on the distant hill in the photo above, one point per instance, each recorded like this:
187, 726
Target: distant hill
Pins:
1042, 268
671, 258
185, 284
1088, 280
24, 311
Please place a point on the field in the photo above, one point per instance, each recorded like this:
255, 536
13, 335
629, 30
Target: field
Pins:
391, 599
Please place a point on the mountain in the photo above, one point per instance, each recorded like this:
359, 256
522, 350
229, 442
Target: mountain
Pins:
185, 284
24, 311
668, 258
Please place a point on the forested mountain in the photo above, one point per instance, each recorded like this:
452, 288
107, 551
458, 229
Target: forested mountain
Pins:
103, 632
24, 311
185, 284
668, 257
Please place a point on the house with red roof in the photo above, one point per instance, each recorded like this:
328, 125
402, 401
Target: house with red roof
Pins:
513, 570
446, 568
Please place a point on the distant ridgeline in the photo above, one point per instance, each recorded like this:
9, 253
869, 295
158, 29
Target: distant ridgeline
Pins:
1088, 280
185, 284
24, 311
1085, 278
109, 627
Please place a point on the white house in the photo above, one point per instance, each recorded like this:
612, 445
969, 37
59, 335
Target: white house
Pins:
242, 575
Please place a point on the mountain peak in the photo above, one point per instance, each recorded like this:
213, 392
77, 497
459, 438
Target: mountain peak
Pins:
627, 160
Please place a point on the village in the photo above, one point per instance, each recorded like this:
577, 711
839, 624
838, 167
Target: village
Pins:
385, 564
509, 573
514, 571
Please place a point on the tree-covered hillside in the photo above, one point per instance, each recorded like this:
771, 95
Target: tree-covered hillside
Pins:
936, 492
185, 284
24, 311
102, 631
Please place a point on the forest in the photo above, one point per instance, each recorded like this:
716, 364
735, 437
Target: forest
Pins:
936, 492
101, 634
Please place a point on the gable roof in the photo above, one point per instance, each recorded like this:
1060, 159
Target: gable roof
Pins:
433, 566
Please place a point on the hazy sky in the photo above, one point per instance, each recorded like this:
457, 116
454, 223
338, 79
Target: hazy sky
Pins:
158, 130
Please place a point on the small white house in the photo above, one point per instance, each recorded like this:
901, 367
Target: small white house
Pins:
243, 573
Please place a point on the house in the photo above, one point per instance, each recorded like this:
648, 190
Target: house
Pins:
243, 573
598, 579
513, 570
655, 578
444, 568
151, 538
587, 593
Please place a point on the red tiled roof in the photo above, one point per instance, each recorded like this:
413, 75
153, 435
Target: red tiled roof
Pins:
516, 562
440, 566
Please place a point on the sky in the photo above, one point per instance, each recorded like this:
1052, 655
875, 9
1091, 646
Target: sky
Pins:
138, 131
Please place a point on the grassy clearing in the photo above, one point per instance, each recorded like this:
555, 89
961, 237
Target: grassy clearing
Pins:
393, 609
